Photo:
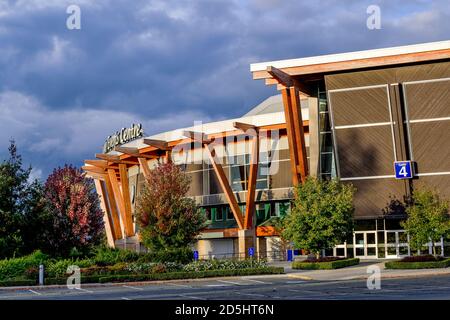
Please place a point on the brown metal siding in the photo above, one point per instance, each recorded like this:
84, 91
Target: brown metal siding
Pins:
365, 151
368, 151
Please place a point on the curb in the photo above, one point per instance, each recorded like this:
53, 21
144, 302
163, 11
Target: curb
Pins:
138, 283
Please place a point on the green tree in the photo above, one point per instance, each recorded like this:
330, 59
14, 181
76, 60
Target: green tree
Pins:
428, 219
14, 199
167, 219
322, 215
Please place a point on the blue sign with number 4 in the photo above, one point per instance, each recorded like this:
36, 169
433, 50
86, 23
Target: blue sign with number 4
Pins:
251, 252
403, 169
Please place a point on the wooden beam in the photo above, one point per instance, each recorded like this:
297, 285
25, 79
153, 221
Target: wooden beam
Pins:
133, 152
159, 144
281, 76
251, 183
197, 136
107, 157
114, 158
114, 208
126, 199
97, 163
110, 236
247, 128
144, 166
290, 134
169, 156
299, 133
223, 181
119, 199
93, 169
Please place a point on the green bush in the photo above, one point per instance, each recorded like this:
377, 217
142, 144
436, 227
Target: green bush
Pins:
17, 283
17, 267
108, 256
58, 268
417, 265
225, 264
325, 265
191, 275
175, 255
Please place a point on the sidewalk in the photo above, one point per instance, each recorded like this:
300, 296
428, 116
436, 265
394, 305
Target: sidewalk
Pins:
357, 272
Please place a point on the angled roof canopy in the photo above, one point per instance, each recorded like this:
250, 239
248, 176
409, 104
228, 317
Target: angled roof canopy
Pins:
352, 60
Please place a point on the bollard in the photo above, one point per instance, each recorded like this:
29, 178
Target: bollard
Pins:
41, 274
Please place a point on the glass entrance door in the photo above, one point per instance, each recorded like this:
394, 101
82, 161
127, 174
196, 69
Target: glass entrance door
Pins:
365, 244
396, 242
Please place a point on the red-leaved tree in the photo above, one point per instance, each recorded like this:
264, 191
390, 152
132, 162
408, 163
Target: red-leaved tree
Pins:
74, 207
167, 218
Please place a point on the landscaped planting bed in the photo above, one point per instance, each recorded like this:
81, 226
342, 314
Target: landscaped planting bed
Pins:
122, 266
419, 262
325, 264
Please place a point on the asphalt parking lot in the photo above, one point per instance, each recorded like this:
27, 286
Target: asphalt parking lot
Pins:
242, 288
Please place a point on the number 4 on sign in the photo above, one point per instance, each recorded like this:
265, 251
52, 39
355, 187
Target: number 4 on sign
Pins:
403, 169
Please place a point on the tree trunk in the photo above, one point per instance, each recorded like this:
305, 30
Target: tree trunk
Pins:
434, 248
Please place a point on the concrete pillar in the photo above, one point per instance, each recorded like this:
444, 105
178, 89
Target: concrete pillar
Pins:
246, 240
261, 247
314, 137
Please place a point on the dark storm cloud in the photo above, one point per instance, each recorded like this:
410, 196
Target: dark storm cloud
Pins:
167, 63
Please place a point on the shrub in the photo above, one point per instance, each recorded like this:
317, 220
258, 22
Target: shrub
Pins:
323, 259
417, 265
58, 268
337, 264
205, 265
175, 255
109, 256
17, 283
191, 275
18, 267
423, 258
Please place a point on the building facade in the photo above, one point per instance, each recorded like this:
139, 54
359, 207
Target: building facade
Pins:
349, 116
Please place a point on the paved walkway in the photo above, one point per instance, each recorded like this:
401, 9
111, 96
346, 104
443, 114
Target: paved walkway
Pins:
357, 272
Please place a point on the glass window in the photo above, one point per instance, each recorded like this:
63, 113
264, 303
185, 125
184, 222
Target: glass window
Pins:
324, 122
263, 211
326, 142
282, 209
326, 160
227, 213
219, 214
238, 178
207, 213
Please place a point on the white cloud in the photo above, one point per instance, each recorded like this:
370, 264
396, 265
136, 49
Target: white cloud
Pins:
35, 174
39, 129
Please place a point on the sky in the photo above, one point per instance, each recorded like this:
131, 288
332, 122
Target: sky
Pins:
167, 63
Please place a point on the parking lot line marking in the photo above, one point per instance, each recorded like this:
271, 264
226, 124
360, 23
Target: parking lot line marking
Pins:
250, 294
81, 289
231, 282
193, 297
35, 292
257, 281
130, 287
295, 282
179, 285
217, 285
125, 298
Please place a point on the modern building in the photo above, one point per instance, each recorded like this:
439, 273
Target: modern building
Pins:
379, 119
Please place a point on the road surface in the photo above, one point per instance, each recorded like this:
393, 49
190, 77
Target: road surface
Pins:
245, 288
